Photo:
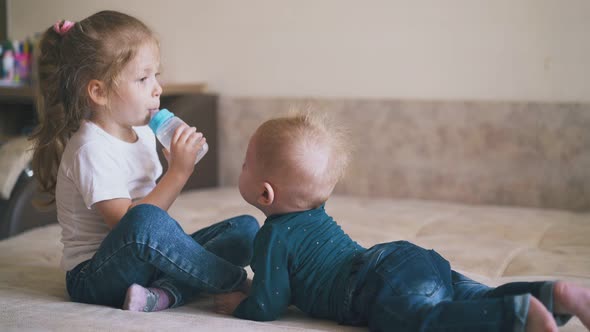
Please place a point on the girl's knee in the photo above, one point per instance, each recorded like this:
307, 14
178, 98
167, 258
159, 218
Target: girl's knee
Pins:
246, 224
146, 209
251, 224
145, 217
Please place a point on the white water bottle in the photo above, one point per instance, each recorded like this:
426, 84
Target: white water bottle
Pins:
164, 123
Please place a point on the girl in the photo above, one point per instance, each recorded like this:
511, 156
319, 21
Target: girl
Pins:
98, 86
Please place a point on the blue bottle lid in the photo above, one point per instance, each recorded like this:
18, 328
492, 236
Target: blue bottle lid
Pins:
159, 118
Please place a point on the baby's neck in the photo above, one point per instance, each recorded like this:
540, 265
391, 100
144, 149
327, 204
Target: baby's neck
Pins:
278, 208
273, 212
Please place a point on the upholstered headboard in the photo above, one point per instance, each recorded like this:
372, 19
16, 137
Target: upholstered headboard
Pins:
509, 153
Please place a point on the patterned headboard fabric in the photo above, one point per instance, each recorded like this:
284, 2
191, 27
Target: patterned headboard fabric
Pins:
505, 153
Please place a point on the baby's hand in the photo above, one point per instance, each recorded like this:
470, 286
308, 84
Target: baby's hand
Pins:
246, 285
225, 304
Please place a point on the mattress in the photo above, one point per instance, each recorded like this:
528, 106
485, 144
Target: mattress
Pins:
491, 244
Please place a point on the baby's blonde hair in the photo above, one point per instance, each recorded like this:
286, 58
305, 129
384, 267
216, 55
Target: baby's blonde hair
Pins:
306, 153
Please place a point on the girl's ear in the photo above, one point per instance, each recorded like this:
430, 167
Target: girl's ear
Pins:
97, 92
267, 196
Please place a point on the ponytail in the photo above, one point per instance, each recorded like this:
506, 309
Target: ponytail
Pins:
70, 55
59, 117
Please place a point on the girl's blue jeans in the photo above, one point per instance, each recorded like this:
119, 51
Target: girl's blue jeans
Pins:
149, 248
399, 286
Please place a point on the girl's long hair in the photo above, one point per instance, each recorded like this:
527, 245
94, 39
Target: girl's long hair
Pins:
97, 47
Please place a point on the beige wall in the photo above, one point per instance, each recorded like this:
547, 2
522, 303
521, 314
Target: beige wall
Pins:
454, 49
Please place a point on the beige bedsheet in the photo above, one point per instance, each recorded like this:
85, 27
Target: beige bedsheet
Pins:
491, 244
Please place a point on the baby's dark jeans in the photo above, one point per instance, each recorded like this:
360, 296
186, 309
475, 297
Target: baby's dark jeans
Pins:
399, 286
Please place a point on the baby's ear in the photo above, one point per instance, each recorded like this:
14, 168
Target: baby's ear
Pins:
267, 196
97, 92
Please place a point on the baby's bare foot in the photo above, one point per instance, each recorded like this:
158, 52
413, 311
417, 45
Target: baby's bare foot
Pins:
572, 299
539, 319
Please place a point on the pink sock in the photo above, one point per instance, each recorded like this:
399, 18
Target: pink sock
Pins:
139, 298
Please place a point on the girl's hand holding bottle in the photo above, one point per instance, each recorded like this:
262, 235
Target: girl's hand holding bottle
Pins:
171, 130
184, 146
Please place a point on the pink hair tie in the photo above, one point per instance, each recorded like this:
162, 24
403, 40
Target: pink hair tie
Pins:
62, 27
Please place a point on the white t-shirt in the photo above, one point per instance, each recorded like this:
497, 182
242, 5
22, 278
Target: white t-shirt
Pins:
96, 166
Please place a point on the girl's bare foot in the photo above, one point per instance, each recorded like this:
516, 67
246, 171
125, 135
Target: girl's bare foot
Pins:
572, 299
539, 319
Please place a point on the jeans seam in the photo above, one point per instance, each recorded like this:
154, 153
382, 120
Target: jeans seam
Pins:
230, 225
159, 252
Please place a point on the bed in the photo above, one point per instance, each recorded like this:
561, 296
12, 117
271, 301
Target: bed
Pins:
498, 189
490, 243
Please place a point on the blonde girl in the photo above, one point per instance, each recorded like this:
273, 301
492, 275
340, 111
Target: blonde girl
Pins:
98, 86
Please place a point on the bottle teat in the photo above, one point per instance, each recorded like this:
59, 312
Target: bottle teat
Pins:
159, 117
